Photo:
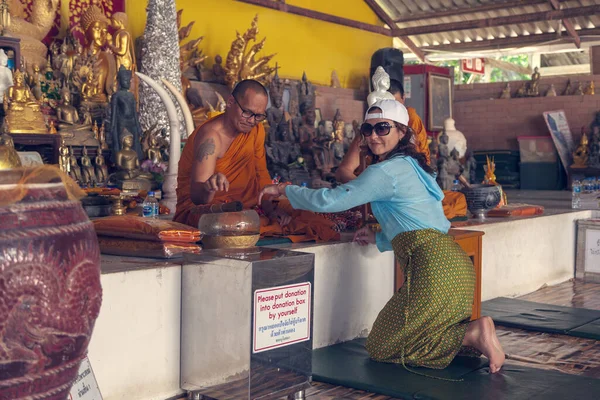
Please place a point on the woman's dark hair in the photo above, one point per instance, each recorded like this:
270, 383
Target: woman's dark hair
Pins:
405, 147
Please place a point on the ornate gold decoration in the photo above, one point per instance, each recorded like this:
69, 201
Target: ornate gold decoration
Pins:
32, 33
240, 62
190, 56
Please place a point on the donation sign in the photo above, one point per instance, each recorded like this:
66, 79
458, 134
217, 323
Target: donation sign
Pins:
281, 316
592, 251
85, 386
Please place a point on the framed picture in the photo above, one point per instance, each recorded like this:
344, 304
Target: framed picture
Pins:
561, 135
440, 101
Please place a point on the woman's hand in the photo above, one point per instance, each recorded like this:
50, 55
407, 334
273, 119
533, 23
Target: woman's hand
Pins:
272, 191
364, 236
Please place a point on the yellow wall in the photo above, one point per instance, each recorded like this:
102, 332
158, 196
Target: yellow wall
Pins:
301, 44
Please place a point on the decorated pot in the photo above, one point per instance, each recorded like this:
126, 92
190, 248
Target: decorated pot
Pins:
482, 198
50, 291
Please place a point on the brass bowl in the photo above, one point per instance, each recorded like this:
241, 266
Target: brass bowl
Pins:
229, 241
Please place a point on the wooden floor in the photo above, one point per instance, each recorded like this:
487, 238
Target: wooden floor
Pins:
564, 353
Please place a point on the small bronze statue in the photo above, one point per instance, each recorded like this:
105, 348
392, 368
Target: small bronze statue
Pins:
581, 154
533, 89
87, 169
101, 168
129, 176
506, 92
75, 172
124, 115
551, 92
591, 90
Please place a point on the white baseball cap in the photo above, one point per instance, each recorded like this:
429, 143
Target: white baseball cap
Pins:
390, 109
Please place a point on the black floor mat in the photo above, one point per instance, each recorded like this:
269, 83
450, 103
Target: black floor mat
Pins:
541, 317
348, 364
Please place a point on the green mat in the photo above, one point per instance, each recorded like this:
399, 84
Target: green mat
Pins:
348, 364
541, 317
272, 241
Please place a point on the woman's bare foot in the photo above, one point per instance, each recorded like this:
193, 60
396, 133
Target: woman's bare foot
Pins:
481, 334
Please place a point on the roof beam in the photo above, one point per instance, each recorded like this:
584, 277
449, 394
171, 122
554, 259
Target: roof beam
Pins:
406, 40
502, 43
500, 21
567, 24
468, 10
305, 12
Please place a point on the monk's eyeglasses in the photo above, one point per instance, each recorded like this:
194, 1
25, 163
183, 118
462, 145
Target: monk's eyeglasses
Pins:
380, 128
249, 114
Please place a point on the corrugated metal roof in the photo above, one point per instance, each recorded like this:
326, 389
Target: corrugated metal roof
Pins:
433, 13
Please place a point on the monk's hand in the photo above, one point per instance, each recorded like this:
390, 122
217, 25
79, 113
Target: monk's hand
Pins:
271, 192
280, 216
364, 236
217, 183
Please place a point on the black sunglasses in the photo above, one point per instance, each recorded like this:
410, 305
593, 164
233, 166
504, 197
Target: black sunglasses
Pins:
380, 128
249, 114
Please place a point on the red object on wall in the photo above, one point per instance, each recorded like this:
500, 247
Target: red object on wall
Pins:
50, 288
417, 89
473, 65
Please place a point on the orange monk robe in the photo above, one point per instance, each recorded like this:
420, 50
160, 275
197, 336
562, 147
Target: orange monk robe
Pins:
415, 123
245, 166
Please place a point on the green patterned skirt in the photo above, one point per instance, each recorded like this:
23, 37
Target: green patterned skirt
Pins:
424, 323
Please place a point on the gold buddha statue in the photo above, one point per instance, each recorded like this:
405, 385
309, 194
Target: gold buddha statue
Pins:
95, 26
22, 111
581, 155
122, 45
153, 153
102, 137
130, 176
64, 161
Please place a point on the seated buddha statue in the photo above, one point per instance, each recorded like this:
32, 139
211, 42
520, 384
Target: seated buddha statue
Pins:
581, 155
22, 111
153, 153
67, 115
129, 175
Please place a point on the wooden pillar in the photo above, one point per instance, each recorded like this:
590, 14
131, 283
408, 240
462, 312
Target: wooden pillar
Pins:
595, 60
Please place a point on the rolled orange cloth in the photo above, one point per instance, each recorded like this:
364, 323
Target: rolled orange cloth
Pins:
455, 204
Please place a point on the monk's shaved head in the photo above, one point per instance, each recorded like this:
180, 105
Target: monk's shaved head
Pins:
248, 84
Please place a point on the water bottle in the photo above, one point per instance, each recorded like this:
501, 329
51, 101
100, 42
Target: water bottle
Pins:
150, 206
576, 198
455, 186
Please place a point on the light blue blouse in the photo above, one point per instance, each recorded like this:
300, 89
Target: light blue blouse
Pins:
403, 198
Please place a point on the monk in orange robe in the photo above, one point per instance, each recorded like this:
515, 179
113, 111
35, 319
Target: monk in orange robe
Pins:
454, 203
224, 160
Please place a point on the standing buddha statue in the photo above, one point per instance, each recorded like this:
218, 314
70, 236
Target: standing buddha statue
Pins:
122, 45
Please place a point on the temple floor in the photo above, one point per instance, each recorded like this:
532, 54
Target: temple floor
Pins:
574, 355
